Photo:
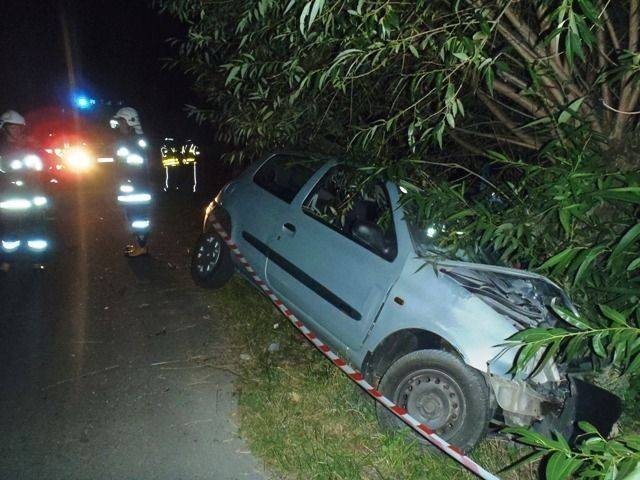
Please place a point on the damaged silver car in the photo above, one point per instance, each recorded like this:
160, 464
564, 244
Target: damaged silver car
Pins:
432, 338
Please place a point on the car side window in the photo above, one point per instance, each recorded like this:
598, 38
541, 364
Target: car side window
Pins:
364, 217
285, 175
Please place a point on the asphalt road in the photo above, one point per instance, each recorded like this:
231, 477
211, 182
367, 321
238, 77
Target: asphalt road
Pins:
115, 368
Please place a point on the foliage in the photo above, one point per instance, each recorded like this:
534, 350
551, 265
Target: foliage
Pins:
580, 209
390, 78
594, 457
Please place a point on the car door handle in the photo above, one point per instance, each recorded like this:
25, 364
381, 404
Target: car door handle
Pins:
289, 226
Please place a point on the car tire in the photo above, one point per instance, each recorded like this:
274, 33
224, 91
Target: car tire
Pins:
211, 264
441, 391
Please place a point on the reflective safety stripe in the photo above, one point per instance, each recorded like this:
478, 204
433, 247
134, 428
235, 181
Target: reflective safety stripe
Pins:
140, 224
135, 159
135, 198
38, 244
10, 245
16, 204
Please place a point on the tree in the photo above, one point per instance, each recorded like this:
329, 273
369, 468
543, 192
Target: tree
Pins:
391, 77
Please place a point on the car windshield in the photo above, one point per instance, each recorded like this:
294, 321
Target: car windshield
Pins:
426, 236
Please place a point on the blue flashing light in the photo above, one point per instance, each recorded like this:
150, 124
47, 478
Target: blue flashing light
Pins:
83, 102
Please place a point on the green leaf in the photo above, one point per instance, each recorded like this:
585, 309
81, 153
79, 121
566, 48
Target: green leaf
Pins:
565, 220
318, 5
596, 341
588, 428
414, 51
461, 55
625, 194
634, 265
289, 6
564, 256
233, 73
570, 318
303, 16
634, 365
626, 240
561, 466
571, 111
586, 263
613, 315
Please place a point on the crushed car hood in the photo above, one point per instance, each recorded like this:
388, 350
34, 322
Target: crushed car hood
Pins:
525, 297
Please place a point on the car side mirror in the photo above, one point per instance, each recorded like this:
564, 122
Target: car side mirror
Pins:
370, 234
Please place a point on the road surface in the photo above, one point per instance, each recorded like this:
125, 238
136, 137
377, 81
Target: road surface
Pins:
114, 368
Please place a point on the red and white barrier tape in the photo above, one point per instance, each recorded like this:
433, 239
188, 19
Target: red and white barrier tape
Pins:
456, 453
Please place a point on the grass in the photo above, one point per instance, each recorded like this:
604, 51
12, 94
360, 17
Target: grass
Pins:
306, 420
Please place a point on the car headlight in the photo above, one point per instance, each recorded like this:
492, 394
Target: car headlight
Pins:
122, 152
79, 159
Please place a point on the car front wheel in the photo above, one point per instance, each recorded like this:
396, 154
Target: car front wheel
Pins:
441, 391
211, 264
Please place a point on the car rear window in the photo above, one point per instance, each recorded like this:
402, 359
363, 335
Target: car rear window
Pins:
285, 175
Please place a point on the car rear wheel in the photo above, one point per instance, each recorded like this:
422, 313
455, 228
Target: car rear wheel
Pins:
211, 264
441, 391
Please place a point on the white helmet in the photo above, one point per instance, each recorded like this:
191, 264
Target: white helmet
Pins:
130, 115
13, 117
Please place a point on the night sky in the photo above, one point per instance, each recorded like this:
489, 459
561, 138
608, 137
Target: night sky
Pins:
116, 48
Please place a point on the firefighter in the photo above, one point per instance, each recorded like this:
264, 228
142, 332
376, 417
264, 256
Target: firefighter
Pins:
134, 192
24, 221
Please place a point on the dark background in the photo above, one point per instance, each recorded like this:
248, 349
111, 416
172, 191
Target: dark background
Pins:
116, 49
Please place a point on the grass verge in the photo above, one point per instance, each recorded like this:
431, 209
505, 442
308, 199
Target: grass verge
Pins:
305, 419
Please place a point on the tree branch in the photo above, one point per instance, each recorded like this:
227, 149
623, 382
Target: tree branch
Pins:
525, 103
609, 24
531, 57
465, 145
634, 23
498, 138
534, 41
602, 63
508, 122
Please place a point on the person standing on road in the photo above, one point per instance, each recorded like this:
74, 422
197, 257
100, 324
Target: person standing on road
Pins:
12, 138
25, 221
133, 175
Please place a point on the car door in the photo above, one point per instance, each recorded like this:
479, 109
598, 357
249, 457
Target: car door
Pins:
335, 278
263, 200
